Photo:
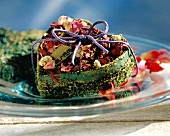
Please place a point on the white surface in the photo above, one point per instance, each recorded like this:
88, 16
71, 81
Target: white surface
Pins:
153, 129
91, 129
151, 121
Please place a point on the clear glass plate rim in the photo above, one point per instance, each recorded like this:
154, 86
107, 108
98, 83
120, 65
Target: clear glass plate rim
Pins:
22, 109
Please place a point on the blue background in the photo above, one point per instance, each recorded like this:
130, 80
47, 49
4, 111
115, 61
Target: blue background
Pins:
143, 18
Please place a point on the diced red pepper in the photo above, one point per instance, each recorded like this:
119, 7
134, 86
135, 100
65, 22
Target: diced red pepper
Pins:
124, 83
50, 46
138, 58
155, 67
42, 52
109, 93
55, 78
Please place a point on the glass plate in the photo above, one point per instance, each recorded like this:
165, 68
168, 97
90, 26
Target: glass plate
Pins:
22, 100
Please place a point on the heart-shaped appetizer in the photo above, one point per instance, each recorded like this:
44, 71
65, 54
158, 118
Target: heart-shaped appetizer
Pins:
77, 59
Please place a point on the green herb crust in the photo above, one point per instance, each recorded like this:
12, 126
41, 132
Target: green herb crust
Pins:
86, 82
15, 50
